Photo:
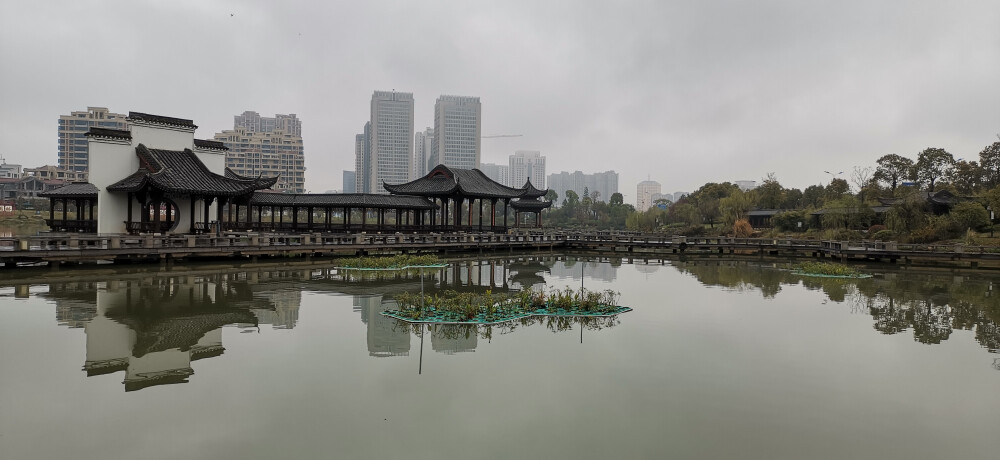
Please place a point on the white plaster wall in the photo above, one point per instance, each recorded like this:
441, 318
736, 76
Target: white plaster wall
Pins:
214, 160
111, 161
162, 137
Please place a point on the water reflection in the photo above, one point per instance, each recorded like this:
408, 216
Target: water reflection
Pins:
152, 325
930, 306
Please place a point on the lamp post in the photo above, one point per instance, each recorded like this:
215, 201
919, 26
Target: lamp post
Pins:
832, 175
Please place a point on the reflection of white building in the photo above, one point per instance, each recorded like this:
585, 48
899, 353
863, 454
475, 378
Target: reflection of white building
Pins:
595, 270
386, 337
454, 339
286, 309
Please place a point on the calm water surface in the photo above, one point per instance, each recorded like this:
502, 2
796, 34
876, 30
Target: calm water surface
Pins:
720, 359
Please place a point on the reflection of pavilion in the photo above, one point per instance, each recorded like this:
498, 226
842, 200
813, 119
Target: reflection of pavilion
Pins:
528, 273
153, 328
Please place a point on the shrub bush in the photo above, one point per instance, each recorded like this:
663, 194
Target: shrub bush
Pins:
883, 235
742, 229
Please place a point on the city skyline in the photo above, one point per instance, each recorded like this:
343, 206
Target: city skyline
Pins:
690, 93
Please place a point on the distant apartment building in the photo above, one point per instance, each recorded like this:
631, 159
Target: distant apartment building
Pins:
604, 183
678, 195
10, 170
746, 185
350, 182
363, 160
72, 154
525, 164
254, 123
646, 192
391, 145
499, 173
261, 146
457, 132
423, 142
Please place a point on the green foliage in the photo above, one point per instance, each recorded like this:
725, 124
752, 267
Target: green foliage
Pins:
770, 194
836, 189
932, 164
735, 207
989, 161
788, 221
491, 306
970, 215
813, 196
847, 212
884, 235
907, 216
892, 169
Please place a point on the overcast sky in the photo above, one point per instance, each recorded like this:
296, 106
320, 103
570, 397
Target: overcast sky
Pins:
682, 92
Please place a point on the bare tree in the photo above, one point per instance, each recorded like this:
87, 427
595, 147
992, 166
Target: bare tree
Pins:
861, 177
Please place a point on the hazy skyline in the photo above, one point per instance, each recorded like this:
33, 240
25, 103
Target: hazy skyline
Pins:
680, 92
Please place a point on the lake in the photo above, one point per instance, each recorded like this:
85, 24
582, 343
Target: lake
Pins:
721, 358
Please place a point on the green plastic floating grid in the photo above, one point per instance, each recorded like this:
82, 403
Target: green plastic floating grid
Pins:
392, 269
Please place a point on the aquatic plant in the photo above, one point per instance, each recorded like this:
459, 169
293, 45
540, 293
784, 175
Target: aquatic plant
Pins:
387, 262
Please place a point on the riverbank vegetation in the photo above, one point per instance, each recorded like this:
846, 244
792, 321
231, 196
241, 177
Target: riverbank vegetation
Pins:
932, 198
390, 262
827, 269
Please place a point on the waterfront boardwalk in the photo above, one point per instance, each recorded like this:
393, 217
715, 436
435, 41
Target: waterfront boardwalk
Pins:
68, 248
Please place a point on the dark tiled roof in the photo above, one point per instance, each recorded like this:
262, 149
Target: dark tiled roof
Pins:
445, 181
73, 190
529, 190
207, 144
161, 119
340, 200
262, 182
179, 171
530, 204
105, 132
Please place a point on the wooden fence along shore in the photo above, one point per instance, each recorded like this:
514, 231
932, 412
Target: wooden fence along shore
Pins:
68, 248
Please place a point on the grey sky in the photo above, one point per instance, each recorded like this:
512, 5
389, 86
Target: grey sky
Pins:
682, 92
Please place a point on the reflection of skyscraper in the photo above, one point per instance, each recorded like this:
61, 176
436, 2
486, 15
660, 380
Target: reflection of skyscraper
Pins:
386, 336
451, 339
286, 309
596, 270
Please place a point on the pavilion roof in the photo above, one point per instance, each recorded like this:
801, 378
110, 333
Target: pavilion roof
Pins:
445, 181
262, 182
341, 200
529, 190
532, 204
72, 190
180, 171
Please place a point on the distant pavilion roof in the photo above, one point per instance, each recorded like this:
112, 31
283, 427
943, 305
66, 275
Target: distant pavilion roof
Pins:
529, 190
341, 200
180, 171
109, 133
72, 190
443, 181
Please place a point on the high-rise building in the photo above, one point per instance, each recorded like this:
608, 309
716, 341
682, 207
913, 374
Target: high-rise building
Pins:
363, 160
499, 173
746, 185
423, 142
72, 154
457, 132
527, 164
253, 122
349, 182
645, 192
604, 183
263, 146
391, 139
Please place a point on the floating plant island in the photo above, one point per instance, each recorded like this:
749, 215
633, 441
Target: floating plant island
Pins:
391, 263
492, 308
829, 270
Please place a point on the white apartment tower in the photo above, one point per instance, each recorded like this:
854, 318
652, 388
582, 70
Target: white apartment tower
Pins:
363, 160
391, 139
73, 154
423, 142
527, 164
267, 146
645, 193
457, 132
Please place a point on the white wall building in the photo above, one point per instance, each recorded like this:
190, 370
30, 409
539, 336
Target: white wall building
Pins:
391, 139
746, 185
457, 132
525, 164
423, 143
644, 193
